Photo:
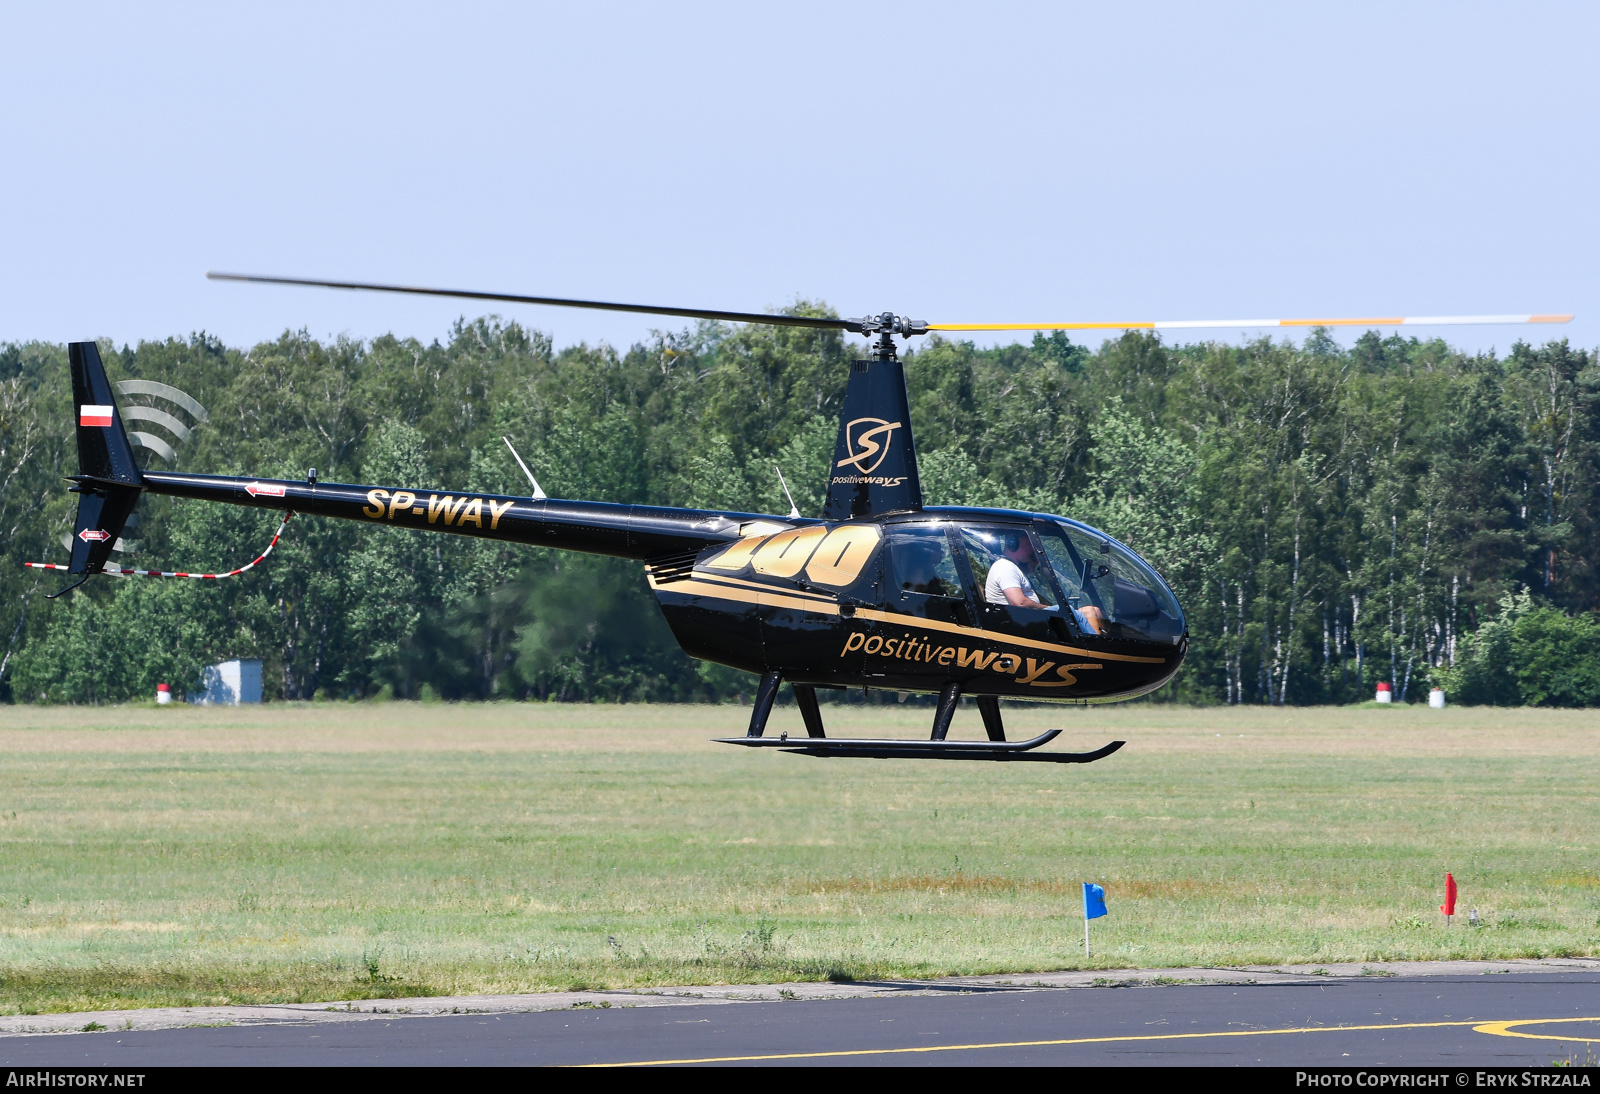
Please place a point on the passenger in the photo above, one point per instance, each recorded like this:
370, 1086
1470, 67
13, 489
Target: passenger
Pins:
1008, 583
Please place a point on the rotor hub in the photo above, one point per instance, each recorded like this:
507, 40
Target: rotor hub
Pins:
886, 325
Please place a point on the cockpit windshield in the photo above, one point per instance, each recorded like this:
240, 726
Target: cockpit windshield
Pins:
1097, 572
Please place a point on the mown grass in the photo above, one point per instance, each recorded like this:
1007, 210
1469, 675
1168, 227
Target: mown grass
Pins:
162, 856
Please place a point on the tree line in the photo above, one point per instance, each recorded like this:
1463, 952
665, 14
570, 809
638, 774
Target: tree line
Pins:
1397, 511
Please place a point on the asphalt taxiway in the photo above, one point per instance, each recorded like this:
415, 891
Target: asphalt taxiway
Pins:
1457, 1016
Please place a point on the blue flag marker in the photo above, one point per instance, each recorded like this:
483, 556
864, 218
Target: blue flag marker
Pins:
1094, 901
1094, 906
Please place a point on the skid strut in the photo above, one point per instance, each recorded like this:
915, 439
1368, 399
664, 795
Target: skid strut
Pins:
989, 707
805, 697
949, 699
766, 695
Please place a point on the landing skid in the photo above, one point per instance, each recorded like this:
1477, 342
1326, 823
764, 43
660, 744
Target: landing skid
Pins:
816, 742
926, 750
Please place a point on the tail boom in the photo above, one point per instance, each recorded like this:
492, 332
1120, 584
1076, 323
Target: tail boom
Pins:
641, 532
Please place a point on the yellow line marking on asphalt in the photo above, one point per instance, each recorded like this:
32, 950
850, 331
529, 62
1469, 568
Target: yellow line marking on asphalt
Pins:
1503, 1029
1479, 1026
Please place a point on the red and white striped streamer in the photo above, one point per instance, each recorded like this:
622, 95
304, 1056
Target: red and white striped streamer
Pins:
118, 571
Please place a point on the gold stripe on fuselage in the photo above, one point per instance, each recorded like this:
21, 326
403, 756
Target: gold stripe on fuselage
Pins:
821, 598
756, 593
991, 636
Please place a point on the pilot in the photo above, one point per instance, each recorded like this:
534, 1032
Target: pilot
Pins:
1008, 583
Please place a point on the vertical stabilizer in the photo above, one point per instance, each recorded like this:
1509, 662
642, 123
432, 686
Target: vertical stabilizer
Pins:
874, 461
108, 480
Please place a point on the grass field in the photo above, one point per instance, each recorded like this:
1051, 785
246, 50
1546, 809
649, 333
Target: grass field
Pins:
154, 856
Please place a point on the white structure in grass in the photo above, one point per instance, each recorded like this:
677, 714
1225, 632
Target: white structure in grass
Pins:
229, 684
1436, 698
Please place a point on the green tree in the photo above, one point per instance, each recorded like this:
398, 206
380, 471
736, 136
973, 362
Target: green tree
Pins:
1557, 659
392, 569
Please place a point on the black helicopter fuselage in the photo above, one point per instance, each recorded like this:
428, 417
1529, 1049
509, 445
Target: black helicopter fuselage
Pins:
823, 603
840, 605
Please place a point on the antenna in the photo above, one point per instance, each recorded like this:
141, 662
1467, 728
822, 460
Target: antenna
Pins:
794, 510
538, 494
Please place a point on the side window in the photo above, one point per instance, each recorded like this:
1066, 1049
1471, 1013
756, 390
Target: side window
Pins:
921, 562
1092, 571
1002, 558
1130, 597
1081, 566
921, 577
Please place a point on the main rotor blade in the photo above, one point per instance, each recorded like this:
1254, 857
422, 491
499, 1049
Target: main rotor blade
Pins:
1195, 324
556, 301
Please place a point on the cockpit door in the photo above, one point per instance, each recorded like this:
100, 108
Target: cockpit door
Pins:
923, 578
986, 547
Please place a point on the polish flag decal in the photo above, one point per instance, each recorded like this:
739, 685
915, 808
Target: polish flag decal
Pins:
93, 535
94, 415
267, 489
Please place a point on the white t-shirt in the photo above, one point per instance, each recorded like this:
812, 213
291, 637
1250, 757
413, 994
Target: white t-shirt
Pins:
1005, 574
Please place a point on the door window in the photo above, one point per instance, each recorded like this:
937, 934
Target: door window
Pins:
923, 577
1007, 557
922, 562
987, 550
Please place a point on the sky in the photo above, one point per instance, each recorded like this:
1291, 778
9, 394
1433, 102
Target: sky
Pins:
953, 163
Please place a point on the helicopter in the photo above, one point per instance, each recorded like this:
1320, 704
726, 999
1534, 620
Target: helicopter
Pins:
879, 592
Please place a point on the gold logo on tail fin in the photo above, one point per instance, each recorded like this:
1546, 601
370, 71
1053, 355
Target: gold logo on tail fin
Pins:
864, 445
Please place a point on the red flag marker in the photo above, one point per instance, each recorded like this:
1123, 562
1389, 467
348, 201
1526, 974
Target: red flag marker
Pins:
1449, 905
